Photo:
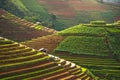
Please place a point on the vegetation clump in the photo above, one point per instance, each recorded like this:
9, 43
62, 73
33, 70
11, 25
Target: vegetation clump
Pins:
98, 23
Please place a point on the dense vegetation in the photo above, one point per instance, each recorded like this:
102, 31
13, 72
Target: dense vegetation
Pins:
83, 30
101, 54
84, 45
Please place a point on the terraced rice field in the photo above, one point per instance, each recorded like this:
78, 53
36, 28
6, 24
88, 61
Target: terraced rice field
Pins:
84, 45
31, 64
81, 30
97, 53
103, 67
19, 29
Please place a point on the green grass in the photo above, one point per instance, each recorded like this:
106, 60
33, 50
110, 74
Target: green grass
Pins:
114, 42
20, 5
109, 74
38, 27
36, 11
33, 5
83, 30
113, 30
84, 45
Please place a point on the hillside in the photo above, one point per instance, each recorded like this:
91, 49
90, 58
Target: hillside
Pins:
18, 29
34, 13
34, 65
94, 45
61, 14
72, 12
97, 34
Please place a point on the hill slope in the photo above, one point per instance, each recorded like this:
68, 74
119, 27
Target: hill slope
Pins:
95, 35
94, 45
34, 13
61, 14
35, 65
72, 12
18, 29
50, 42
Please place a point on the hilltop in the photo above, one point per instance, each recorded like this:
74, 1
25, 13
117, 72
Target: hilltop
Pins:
21, 62
94, 45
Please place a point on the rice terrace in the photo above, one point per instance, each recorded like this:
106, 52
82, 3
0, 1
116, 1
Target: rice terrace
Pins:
59, 39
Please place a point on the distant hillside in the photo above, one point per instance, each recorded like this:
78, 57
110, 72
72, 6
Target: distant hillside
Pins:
32, 11
72, 12
15, 28
94, 45
61, 14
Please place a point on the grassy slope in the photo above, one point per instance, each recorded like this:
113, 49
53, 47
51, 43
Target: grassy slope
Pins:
114, 41
84, 45
21, 6
105, 68
32, 5
83, 30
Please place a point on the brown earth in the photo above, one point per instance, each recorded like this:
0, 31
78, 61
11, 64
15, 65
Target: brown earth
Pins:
86, 5
17, 29
58, 7
67, 8
49, 42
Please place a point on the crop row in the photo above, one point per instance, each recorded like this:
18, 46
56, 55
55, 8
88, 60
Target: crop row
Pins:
8, 67
3, 57
109, 74
110, 65
20, 59
22, 72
